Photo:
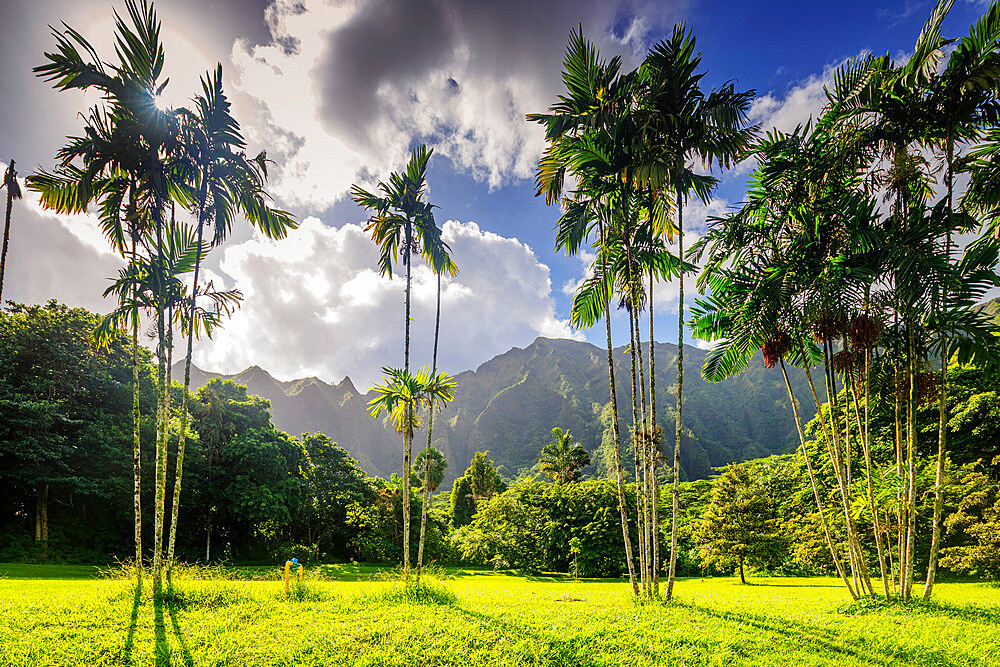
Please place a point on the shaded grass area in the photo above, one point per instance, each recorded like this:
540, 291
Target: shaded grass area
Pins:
355, 616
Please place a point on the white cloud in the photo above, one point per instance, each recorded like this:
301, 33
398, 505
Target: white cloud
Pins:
315, 304
341, 92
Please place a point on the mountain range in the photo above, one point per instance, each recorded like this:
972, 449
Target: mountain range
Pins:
510, 404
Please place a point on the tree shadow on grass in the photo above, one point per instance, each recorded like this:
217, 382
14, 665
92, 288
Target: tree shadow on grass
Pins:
125, 657
164, 652
557, 651
827, 641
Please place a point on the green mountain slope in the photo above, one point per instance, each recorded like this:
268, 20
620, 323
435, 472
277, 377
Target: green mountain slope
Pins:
509, 405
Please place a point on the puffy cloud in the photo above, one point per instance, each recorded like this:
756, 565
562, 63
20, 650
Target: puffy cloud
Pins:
315, 304
360, 82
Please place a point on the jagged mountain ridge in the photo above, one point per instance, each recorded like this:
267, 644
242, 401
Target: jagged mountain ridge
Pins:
509, 404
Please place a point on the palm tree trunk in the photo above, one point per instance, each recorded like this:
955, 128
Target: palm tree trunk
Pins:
644, 459
182, 439
619, 472
942, 402
636, 445
866, 451
654, 450
815, 489
900, 504
911, 470
832, 451
136, 444
6, 238
430, 430
161, 412
675, 497
408, 439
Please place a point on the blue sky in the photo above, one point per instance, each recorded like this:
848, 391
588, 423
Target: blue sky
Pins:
339, 93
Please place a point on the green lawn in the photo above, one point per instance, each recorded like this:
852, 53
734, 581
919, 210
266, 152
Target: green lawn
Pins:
62, 616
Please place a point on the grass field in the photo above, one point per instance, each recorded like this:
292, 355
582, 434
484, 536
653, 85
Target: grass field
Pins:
52, 615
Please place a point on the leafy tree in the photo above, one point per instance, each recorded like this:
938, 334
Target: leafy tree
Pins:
64, 405
221, 410
742, 523
334, 482
258, 491
562, 458
976, 523
462, 506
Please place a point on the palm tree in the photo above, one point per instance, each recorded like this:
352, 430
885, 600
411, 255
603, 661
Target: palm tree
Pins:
562, 458
433, 464
401, 396
401, 223
688, 125
13, 192
223, 183
581, 132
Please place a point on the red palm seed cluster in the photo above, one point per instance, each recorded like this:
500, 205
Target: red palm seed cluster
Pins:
776, 347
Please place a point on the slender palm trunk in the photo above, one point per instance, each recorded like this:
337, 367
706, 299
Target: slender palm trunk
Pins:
6, 238
815, 489
900, 501
136, 443
182, 439
866, 451
843, 464
831, 450
408, 439
654, 448
430, 430
619, 472
675, 495
644, 442
161, 409
636, 445
942, 406
911, 470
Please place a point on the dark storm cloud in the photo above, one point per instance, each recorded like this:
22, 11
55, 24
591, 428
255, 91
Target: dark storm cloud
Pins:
398, 42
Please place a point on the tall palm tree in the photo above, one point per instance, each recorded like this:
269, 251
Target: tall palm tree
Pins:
581, 131
223, 183
688, 125
402, 225
142, 144
13, 192
433, 464
401, 396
